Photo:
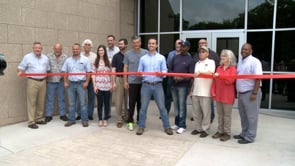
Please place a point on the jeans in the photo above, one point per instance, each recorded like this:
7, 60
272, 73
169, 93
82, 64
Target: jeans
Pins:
103, 98
76, 92
90, 100
179, 97
147, 91
54, 88
168, 95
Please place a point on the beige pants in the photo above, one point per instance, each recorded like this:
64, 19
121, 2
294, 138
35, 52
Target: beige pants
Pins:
224, 117
36, 93
121, 99
201, 113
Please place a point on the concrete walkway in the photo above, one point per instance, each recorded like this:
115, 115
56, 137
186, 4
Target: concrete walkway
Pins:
53, 144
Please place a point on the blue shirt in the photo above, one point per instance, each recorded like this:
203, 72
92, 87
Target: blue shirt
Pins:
35, 64
152, 63
81, 65
170, 57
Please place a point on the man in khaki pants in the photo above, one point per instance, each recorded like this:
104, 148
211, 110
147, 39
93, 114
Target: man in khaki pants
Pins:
35, 62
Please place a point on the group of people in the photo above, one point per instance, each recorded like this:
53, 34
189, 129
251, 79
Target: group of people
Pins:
107, 70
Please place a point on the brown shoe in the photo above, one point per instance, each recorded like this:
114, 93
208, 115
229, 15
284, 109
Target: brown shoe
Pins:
33, 126
85, 124
169, 131
225, 137
217, 135
203, 134
140, 131
195, 132
119, 124
69, 123
41, 122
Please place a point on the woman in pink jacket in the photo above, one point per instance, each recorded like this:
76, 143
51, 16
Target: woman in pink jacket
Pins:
223, 92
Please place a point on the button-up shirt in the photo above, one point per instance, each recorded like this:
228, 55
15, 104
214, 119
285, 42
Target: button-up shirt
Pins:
81, 65
91, 56
35, 64
111, 52
55, 66
152, 63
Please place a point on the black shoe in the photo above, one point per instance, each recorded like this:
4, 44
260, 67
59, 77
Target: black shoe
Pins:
85, 124
48, 118
243, 141
78, 118
42, 122
192, 119
195, 132
64, 118
203, 134
238, 137
33, 126
90, 117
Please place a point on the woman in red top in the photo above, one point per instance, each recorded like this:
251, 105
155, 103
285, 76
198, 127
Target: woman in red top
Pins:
223, 92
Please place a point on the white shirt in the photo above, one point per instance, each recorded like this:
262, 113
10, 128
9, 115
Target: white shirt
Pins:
112, 52
92, 56
202, 86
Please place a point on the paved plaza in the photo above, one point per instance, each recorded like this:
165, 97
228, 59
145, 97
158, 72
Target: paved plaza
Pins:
55, 145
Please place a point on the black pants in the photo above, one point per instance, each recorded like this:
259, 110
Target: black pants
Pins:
134, 98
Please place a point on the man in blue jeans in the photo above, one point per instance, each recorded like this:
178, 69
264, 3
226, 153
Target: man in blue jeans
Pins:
182, 63
55, 84
152, 86
77, 84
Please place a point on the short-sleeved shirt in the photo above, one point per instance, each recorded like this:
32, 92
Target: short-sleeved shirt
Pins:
81, 65
92, 56
131, 59
249, 65
34, 64
202, 86
152, 63
55, 66
117, 62
112, 52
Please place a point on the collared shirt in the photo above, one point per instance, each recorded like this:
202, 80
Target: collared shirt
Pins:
182, 63
249, 65
152, 63
202, 86
55, 66
131, 59
111, 52
35, 64
81, 65
170, 57
117, 62
91, 56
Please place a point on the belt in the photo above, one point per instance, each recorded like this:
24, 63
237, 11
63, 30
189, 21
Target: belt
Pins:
245, 92
77, 81
36, 79
152, 83
119, 76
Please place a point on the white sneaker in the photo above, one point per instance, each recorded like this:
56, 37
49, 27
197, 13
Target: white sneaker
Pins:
180, 130
174, 127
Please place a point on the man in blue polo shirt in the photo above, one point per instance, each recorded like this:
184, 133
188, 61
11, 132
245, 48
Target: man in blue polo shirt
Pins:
152, 85
182, 63
77, 84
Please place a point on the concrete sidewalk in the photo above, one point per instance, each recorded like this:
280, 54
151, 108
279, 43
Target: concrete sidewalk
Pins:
54, 144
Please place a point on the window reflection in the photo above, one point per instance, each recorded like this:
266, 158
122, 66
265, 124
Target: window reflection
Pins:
260, 14
167, 43
213, 14
286, 13
169, 17
148, 15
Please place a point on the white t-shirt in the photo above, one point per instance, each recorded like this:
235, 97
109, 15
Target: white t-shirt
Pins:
202, 86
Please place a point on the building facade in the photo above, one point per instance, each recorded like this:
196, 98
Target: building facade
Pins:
49, 21
269, 25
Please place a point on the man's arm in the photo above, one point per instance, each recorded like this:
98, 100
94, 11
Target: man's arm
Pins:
126, 85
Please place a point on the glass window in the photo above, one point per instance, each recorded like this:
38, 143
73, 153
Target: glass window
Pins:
169, 17
261, 43
148, 16
213, 14
260, 14
167, 43
286, 14
144, 40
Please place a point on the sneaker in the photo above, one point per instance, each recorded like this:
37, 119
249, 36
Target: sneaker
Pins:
130, 126
174, 127
180, 130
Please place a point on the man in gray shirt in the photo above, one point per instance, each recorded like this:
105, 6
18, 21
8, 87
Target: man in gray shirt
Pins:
133, 82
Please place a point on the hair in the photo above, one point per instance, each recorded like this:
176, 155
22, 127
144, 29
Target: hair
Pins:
111, 36
231, 57
87, 41
153, 38
36, 42
105, 57
124, 40
135, 37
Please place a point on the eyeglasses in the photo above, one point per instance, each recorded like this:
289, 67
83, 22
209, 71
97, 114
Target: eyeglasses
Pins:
87, 44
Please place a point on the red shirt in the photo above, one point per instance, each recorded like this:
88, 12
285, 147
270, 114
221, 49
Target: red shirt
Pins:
223, 89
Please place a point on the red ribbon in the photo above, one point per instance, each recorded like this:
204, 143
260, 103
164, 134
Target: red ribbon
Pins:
264, 76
